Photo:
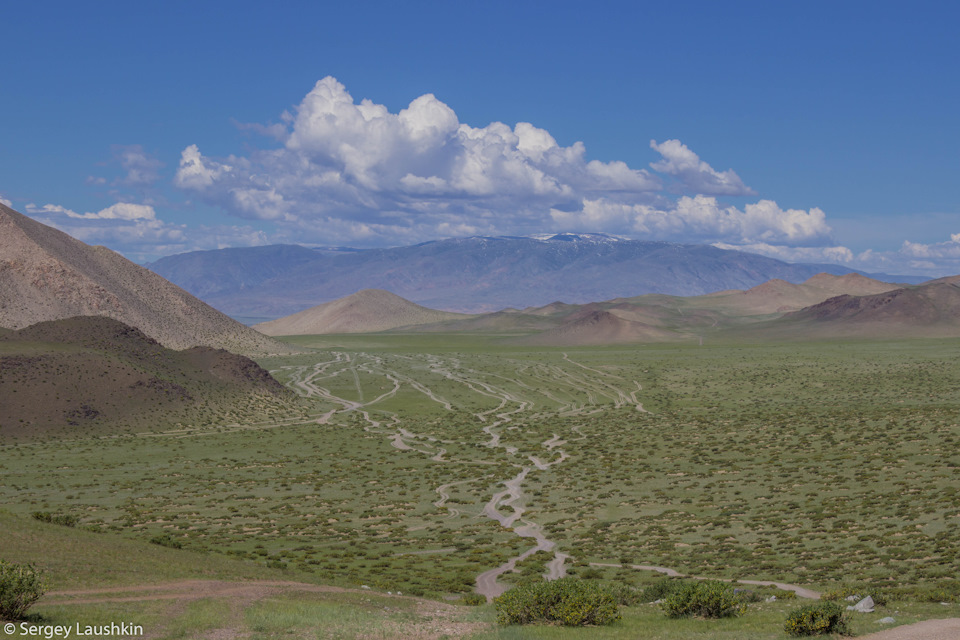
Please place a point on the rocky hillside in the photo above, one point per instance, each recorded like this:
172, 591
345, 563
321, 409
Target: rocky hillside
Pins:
930, 310
47, 275
92, 374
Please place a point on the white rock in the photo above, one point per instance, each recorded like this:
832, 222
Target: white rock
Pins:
864, 606
887, 620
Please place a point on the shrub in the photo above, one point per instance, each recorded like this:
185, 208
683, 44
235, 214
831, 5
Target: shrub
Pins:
707, 599
473, 599
624, 594
591, 574
20, 587
63, 519
166, 540
567, 601
749, 595
660, 589
817, 619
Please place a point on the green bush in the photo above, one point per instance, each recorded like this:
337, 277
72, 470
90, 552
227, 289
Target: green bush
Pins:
817, 619
624, 594
166, 540
63, 519
473, 599
568, 601
20, 587
707, 599
660, 589
749, 595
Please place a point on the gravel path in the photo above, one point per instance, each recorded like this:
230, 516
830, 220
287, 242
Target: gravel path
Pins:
946, 629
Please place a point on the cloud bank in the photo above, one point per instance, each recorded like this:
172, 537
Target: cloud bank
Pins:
352, 172
335, 171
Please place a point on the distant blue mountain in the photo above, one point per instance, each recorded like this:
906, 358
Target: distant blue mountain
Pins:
472, 274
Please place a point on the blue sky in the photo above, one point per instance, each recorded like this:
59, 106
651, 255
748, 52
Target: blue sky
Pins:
815, 131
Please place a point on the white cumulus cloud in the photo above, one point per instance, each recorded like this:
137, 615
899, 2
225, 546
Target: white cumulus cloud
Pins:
418, 173
948, 250
695, 174
6, 202
118, 211
836, 254
703, 219
194, 173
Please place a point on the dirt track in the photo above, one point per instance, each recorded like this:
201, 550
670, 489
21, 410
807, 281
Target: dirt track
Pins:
946, 629
432, 620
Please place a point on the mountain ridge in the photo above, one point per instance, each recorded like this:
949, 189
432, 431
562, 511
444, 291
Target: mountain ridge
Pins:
471, 275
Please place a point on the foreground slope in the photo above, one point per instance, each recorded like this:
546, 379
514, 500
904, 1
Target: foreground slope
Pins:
363, 312
47, 275
93, 375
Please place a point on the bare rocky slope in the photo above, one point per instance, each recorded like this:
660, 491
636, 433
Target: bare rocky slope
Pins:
779, 296
47, 275
596, 327
929, 310
366, 311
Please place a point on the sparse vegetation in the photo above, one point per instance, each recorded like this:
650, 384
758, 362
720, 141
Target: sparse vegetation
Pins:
811, 464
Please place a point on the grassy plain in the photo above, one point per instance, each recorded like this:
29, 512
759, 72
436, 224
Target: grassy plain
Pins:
817, 464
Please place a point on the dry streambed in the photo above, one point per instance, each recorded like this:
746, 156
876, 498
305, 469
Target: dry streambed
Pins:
514, 396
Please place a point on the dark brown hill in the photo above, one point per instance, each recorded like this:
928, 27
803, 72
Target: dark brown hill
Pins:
47, 275
95, 375
931, 310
